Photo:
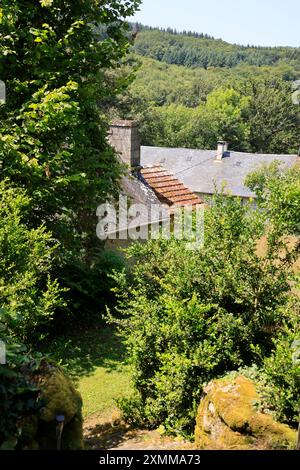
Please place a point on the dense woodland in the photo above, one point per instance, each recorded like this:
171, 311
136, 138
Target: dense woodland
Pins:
247, 103
69, 67
200, 50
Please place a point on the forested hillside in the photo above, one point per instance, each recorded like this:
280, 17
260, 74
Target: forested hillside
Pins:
219, 91
163, 84
199, 50
250, 107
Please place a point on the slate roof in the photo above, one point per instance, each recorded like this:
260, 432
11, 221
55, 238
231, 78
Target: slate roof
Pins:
199, 171
168, 189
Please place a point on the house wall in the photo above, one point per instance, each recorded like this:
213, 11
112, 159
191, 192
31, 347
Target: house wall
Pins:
208, 199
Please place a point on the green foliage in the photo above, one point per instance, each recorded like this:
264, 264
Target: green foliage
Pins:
281, 375
250, 107
229, 109
28, 292
203, 51
17, 396
190, 87
222, 117
273, 118
278, 377
52, 135
189, 317
279, 195
88, 283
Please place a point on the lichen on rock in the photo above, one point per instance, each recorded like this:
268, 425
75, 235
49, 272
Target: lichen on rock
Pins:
228, 419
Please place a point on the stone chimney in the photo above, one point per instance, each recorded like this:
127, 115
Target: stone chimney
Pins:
124, 137
221, 150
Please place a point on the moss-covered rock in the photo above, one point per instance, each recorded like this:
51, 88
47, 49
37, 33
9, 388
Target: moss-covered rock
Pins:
228, 419
58, 393
29, 426
59, 398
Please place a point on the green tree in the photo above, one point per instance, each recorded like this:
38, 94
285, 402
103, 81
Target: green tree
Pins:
52, 134
273, 118
55, 59
222, 117
281, 373
278, 194
228, 108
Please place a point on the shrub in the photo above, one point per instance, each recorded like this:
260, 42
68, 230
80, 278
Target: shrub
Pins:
89, 283
189, 317
29, 295
17, 397
281, 375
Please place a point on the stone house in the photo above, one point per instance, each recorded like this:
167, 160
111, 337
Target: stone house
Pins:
192, 172
173, 178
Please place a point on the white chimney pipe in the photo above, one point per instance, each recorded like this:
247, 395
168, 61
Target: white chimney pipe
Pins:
221, 150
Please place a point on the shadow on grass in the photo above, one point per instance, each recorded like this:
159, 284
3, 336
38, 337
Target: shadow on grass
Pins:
81, 352
106, 436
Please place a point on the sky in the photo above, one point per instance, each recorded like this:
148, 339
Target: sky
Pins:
259, 22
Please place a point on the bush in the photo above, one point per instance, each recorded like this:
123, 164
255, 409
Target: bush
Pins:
18, 397
29, 295
189, 317
281, 376
89, 284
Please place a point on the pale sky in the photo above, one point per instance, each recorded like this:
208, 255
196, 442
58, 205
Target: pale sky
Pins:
259, 22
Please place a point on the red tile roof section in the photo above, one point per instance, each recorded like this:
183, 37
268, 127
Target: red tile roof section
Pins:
169, 189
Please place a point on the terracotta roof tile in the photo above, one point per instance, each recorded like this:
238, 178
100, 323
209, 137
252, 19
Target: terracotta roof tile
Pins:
168, 188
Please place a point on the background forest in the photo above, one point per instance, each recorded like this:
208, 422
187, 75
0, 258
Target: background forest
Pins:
191, 90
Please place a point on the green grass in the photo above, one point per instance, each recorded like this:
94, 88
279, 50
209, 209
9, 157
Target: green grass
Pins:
95, 360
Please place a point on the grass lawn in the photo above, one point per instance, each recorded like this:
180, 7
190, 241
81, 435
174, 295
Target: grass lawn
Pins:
95, 359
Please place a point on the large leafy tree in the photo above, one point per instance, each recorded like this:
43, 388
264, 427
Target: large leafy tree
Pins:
228, 108
223, 116
273, 119
52, 133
